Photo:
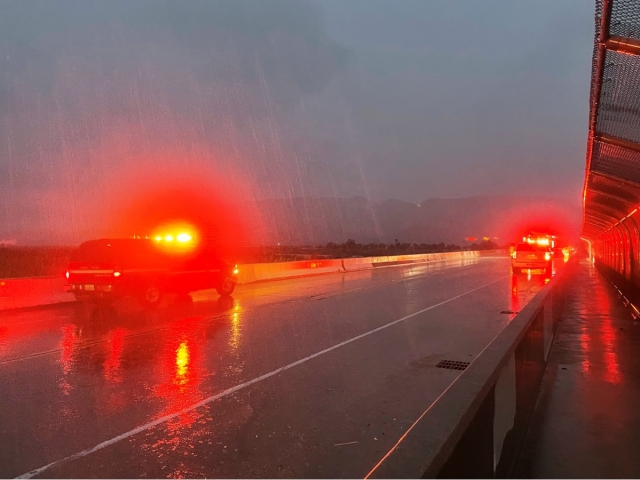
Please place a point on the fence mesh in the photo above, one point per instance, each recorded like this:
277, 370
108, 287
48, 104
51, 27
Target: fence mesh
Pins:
612, 187
625, 19
616, 161
625, 192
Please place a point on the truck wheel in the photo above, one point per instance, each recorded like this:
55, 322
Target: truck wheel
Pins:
151, 296
227, 286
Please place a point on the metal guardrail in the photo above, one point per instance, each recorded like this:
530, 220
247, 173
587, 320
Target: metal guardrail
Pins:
475, 429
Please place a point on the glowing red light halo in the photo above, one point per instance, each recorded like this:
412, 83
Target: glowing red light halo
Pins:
200, 201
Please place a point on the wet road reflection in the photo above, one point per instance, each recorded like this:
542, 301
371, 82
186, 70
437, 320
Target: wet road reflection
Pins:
180, 368
234, 338
602, 341
112, 363
125, 366
181, 371
523, 288
67, 347
28, 333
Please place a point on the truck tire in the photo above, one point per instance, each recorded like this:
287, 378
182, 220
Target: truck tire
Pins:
151, 295
226, 287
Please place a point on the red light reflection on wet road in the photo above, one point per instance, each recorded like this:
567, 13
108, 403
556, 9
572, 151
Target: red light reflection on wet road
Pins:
584, 346
4, 334
112, 362
234, 338
514, 303
609, 339
181, 371
604, 342
67, 350
523, 288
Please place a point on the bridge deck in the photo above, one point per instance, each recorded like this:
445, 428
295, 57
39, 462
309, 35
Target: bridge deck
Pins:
314, 377
587, 421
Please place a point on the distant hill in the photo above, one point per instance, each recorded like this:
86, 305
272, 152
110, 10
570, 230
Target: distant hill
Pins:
318, 221
313, 221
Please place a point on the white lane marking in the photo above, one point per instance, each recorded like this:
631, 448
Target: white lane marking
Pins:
241, 386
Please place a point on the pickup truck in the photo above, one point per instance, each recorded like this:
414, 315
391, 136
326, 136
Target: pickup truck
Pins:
529, 257
110, 268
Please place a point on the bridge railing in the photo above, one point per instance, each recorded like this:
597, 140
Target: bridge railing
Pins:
475, 429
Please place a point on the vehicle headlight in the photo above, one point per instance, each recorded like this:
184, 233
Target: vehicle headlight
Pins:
547, 256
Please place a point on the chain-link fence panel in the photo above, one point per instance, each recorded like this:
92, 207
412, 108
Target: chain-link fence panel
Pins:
616, 161
625, 19
623, 191
619, 105
612, 184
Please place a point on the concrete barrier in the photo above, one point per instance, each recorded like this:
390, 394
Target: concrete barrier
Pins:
392, 260
28, 292
356, 264
274, 271
31, 292
475, 429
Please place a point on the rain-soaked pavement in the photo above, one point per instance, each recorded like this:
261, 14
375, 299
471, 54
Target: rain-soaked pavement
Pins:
587, 421
314, 377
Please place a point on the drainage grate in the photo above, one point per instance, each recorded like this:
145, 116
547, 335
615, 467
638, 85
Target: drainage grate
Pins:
451, 365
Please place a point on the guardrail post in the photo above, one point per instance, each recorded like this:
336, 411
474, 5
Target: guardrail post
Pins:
529, 358
505, 407
473, 455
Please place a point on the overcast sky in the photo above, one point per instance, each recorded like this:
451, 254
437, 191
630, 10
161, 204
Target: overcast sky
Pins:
384, 99
467, 97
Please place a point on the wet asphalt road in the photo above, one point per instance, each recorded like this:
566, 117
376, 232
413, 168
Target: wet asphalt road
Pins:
312, 377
